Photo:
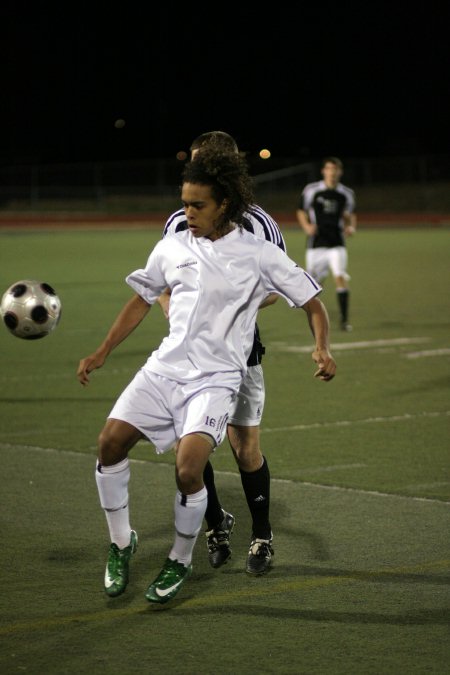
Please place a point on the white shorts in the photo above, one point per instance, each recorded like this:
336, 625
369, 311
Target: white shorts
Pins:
165, 410
320, 261
249, 404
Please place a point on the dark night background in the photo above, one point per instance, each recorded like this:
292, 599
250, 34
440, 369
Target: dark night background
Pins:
303, 81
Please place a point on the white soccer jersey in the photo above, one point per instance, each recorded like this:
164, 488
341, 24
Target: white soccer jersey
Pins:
216, 290
259, 223
256, 221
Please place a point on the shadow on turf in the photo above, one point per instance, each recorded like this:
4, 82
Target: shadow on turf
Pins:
386, 576
418, 618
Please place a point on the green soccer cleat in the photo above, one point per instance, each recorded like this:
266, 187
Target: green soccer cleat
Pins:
168, 582
116, 573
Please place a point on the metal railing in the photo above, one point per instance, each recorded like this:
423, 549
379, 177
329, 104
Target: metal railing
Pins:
154, 184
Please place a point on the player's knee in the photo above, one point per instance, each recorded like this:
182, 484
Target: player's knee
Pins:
249, 466
189, 480
249, 457
110, 449
246, 441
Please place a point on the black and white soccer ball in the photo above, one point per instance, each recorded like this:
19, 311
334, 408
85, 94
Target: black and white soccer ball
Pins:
30, 309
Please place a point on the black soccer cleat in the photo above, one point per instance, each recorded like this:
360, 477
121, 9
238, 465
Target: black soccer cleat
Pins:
218, 541
259, 559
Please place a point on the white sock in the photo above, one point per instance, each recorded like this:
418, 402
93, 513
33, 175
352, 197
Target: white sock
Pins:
112, 484
189, 514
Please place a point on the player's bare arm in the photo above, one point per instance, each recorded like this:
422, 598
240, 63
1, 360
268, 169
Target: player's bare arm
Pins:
270, 300
349, 223
127, 320
304, 222
164, 302
320, 327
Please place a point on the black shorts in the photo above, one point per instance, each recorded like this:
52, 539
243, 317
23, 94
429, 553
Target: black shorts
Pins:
258, 349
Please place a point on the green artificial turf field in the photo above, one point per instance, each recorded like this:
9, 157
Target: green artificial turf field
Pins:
360, 479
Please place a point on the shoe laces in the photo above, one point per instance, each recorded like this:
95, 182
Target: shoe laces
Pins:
218, 535
261, 548
118, 555
117, 559
215, 539
172, 567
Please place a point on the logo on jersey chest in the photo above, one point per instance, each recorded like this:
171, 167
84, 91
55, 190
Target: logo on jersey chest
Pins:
328, 205
189, 263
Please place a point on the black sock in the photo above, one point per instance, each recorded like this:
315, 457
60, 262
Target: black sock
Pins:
257, 492
343, 301
213, 515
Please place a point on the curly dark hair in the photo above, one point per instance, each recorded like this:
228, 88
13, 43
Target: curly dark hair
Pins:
227, 175
220, 139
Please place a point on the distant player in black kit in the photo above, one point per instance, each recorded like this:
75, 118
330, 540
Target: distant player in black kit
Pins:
326, 213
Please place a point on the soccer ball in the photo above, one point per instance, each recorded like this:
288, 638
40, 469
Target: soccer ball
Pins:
30, 309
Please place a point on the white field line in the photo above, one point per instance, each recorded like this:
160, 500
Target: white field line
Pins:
333, 467
344, 346
376, 493
275, 346
347, 423
427, 352
235, 475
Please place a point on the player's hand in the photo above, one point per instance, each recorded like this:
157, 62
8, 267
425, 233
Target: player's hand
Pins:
87, 365
326, 365
311, 229
349, 230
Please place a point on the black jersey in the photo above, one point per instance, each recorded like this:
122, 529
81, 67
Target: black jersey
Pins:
325, 207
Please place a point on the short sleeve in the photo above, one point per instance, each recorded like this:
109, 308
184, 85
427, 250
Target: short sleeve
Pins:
150, 281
